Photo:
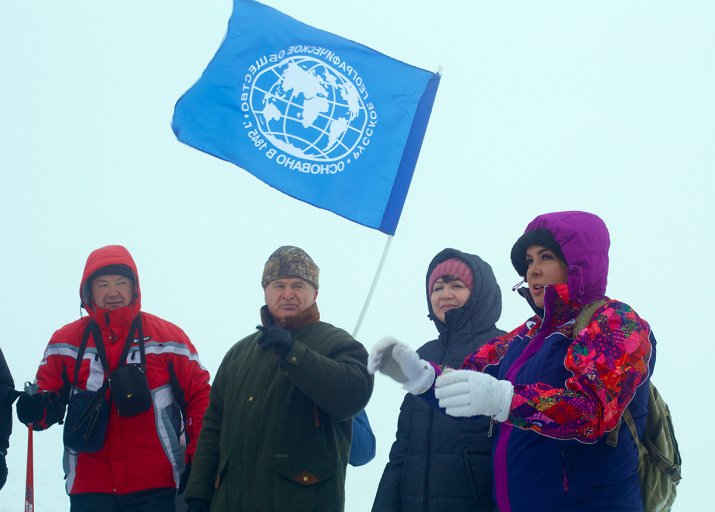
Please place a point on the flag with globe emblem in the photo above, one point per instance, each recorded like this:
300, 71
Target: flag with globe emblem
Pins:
321, 118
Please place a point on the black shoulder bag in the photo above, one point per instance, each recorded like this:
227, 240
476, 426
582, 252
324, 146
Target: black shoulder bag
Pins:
87, 411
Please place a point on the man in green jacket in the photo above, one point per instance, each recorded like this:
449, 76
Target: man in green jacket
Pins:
277, 431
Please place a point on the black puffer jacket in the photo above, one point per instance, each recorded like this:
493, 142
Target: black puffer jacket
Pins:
438, 463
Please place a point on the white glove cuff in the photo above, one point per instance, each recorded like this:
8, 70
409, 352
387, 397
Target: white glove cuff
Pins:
422, 382
508, 394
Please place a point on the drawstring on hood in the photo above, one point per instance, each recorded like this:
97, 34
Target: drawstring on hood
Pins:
572, 271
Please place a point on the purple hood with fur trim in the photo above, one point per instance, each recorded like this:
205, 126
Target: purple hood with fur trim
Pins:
585, 241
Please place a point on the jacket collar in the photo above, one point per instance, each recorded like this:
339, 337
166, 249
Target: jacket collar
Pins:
558, 306
121, 317
307, 317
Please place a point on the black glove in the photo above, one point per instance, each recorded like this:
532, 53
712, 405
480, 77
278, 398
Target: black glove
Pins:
198, 505
3, 470
276, 338
42, 409
184, 478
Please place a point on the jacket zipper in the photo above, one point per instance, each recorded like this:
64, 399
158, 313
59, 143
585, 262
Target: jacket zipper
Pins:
426, 493
566, 479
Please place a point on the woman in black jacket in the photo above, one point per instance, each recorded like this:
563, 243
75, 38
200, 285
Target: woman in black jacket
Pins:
438, 463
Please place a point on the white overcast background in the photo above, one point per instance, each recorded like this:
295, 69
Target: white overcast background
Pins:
546, 106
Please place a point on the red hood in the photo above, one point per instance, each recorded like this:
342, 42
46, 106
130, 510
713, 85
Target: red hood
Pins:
109, 255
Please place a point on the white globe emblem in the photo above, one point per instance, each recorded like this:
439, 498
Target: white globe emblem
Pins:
307, 109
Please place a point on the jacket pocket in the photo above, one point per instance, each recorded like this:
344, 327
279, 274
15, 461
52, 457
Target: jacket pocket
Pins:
221, 471
222, 497
304, 483
566, 465
478, 469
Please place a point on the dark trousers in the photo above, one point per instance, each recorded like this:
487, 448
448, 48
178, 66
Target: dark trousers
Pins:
150, 500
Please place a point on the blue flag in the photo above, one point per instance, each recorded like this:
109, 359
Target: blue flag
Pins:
321, 118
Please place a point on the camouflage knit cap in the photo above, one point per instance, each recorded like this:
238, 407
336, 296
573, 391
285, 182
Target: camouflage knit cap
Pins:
290, 261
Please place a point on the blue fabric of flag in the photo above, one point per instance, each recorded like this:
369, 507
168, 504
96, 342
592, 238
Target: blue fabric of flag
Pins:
321, 118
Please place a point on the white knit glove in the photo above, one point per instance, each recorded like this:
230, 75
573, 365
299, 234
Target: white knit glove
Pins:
471, 393
400, 362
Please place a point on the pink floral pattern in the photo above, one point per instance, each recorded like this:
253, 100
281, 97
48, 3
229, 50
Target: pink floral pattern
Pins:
608, 361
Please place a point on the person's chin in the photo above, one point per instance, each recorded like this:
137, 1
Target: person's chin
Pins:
289, 312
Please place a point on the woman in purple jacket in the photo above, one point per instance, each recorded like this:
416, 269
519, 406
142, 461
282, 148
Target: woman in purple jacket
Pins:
553, 394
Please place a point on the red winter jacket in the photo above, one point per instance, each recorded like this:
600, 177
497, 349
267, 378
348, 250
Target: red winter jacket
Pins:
140, 452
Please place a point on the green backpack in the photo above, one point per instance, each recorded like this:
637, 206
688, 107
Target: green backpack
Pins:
659, 458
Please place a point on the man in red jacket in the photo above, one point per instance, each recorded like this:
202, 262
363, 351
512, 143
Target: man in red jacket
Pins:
138, 466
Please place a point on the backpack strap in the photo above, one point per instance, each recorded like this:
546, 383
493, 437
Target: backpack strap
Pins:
613, 434
672, 469
631, 426
586, 315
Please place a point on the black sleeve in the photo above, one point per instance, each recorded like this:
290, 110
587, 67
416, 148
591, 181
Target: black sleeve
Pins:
7, 385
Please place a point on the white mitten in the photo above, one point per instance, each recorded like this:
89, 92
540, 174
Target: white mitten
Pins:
400, 362
470, 393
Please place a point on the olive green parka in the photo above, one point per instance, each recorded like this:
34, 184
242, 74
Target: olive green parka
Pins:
276, 436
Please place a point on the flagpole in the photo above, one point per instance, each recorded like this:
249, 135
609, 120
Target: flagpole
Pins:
374, 285
379, 268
